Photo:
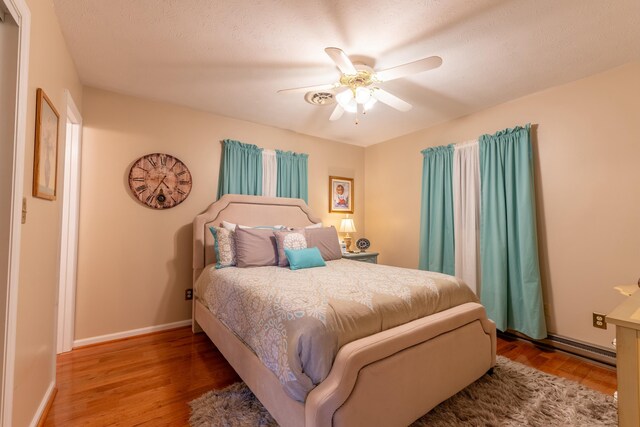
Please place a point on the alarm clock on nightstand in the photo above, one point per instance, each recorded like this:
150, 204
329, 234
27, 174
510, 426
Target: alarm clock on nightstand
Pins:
363, 244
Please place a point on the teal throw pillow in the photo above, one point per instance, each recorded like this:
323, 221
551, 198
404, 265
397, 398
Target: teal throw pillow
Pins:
304, 258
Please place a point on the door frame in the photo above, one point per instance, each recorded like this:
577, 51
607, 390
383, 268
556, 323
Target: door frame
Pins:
69, 227
22, 16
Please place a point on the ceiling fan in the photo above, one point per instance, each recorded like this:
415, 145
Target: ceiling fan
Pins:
358, 90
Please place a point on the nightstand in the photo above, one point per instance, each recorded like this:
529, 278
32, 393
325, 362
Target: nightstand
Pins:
625, 317
371, 257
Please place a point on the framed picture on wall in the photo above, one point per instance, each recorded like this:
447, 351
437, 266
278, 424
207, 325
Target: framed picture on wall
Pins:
45, 161
340, 195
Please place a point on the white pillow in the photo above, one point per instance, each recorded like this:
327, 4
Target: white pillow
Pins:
318, 225
232, 227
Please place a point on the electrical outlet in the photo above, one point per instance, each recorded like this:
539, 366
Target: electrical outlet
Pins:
188, 294
599, 321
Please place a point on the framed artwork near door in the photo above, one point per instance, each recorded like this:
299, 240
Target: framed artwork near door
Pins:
45, 161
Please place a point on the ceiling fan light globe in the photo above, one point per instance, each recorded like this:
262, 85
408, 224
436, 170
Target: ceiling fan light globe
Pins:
344, 98
370, 103
363, 95
352, 106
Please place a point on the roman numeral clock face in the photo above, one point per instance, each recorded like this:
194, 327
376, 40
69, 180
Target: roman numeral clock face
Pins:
160, 181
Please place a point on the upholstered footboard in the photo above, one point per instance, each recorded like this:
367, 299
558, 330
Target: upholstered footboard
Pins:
387, 379
394, 377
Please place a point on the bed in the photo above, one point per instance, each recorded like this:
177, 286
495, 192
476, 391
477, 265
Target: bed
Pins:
390, 378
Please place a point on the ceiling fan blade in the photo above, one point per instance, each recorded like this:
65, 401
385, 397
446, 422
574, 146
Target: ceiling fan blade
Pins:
342, 60
404, 70
337, 113
391, 100
309, 88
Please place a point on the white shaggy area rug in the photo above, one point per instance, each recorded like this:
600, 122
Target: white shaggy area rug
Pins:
514, 395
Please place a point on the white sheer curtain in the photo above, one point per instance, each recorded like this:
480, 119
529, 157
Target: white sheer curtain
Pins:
269, 173
466, 212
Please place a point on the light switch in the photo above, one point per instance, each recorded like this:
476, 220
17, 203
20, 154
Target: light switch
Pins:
24, 210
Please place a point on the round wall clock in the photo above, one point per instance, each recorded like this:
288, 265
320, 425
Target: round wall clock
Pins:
363, 244
160, 181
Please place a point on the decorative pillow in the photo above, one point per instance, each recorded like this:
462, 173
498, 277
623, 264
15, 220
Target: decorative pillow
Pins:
325, 239
232, 227
304, 258
289, 240
224, 246
255, 247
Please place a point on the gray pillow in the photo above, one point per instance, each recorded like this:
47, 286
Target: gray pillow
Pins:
255, 247
325, 239
293, 239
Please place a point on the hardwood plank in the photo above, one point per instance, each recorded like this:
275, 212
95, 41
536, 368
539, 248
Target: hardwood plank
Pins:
149, 379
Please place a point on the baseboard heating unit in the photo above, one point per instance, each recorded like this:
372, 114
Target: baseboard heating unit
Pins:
578, 348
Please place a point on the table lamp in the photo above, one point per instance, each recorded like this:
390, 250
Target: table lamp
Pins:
347, 226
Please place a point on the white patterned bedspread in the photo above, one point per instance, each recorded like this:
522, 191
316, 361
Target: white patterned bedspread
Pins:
296, 321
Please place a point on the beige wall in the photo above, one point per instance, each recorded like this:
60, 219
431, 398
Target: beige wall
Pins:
50, 68
135, 262
586, 147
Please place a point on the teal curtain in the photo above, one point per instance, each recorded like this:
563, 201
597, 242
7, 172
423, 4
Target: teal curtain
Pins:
240, 169
511, 288
292, 178
436, 217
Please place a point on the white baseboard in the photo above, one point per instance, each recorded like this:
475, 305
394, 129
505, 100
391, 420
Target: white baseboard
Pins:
132, 333
43, 405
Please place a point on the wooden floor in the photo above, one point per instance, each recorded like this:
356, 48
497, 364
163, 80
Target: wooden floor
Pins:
590, 374
148, 380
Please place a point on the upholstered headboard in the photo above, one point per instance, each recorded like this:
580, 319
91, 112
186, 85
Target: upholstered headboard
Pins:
245, 210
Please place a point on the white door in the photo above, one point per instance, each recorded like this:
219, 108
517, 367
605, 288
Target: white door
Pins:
8, 89
15, 22
69, 227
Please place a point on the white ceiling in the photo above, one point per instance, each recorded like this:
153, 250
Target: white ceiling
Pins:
231, 57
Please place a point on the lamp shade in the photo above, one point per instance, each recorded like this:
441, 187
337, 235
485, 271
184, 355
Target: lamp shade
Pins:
347, 226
